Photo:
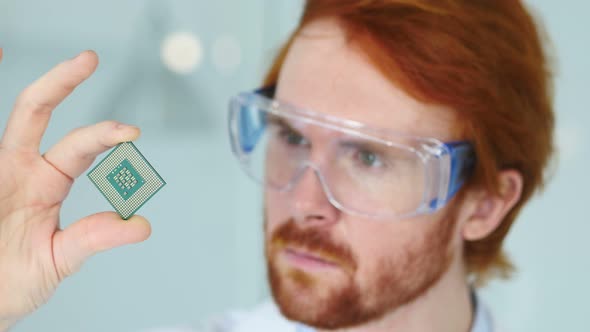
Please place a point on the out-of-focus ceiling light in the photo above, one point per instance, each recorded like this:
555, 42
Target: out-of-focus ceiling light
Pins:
181, 52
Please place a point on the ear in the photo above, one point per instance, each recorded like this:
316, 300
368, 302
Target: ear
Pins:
489, 209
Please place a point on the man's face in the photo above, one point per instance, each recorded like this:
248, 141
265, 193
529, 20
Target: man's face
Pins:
327, 268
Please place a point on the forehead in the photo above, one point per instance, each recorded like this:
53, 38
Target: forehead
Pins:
324, 73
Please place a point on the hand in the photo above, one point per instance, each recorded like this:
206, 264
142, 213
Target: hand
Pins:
35, 254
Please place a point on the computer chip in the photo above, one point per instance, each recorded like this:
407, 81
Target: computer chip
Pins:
126, 179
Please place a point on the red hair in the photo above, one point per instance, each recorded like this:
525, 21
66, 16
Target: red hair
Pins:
484, 59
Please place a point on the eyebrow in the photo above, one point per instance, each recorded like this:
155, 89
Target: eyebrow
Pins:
346, 140
362, 145
276, 120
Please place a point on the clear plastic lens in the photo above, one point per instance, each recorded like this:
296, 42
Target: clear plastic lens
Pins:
364, 171
362, 175
388, 182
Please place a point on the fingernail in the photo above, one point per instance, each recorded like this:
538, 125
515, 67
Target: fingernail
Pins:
74, 58
77, 56
121, 125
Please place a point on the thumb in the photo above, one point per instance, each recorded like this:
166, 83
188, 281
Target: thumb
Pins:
95, 233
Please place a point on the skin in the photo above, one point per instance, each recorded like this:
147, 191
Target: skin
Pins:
393, 275
35, 253
321, 73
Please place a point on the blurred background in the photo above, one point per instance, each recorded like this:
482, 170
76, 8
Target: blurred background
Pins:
170, 67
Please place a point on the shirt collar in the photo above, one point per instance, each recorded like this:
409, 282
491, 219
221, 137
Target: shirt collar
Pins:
482, 320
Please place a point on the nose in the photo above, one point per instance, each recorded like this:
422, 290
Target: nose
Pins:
310, 202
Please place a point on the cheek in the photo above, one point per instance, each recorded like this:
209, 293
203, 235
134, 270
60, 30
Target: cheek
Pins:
382, 246
276, 210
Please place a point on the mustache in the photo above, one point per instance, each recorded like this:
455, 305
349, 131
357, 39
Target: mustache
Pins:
315, 240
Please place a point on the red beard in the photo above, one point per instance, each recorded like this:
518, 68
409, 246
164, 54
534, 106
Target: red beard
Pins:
332, 304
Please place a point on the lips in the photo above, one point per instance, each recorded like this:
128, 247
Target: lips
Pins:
302, 257
310, 248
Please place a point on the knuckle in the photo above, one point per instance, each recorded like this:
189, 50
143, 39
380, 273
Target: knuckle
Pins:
76, 140
27, 100
77, 132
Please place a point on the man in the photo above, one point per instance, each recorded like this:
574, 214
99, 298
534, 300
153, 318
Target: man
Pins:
389, 137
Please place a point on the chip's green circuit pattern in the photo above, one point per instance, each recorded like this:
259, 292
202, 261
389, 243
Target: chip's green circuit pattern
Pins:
126, 179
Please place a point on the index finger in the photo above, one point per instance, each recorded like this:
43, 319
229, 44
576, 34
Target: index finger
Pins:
33, 107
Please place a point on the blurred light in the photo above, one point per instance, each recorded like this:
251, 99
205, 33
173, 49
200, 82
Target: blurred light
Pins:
181, 52
226, 54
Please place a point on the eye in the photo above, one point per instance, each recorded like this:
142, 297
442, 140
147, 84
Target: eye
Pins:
369, 158
292, 137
